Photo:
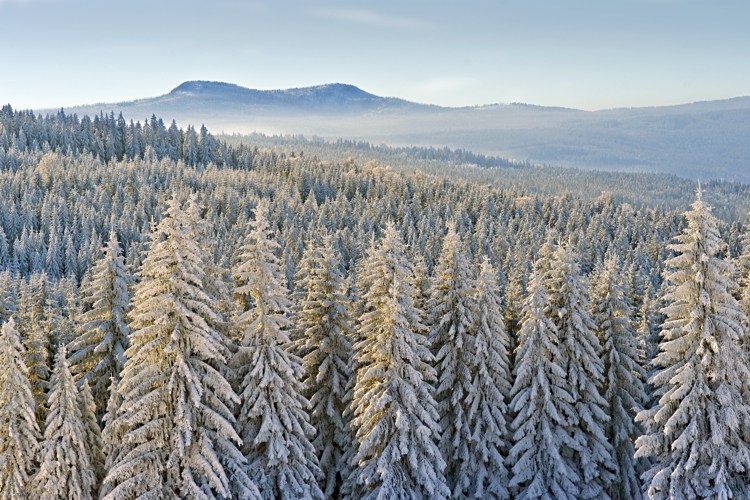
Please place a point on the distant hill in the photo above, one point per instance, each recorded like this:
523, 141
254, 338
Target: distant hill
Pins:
332, 97
698, 140
218, 101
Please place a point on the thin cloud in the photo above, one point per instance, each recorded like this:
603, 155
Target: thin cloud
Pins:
440, 85
370, 18
443, 90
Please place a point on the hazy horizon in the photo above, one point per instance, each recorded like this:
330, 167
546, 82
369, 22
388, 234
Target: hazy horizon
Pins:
583, 54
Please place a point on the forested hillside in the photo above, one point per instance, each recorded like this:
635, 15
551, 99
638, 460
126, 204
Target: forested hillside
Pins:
188, 317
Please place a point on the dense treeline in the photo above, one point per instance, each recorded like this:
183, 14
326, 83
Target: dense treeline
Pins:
640, 189
187, 317
105, 137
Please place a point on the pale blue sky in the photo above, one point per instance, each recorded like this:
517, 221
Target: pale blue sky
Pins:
589, 54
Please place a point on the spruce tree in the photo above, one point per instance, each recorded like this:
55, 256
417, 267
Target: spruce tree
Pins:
580, 355
273, 421
395, 413
93, 433
422, 283
112, 435
66, 469
98, 352
19, 432
542, 404
218, 277
648, 329
623, 375
487, 474
697, 433
8, 294
31, 326
175, 417
451, 335
325, 347
513, 300
743, 272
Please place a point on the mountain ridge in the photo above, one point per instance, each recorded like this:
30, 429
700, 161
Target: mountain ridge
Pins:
208, 86
319, 98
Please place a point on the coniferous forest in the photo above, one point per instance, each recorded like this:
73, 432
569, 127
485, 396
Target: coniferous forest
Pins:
190, 317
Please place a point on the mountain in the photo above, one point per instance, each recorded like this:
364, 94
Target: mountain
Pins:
219, 100
332, 96
698, 140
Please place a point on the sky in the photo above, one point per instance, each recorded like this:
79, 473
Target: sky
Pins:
587, 54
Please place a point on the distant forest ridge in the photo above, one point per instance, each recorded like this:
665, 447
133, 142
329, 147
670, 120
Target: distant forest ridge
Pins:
731, 199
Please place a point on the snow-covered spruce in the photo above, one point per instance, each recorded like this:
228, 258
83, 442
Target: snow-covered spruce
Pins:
98, 352
542, 405
395, 413
743, 273
112, 434
591, 454
66, 468
623, 375
217, 284
273, 420
19, 433
325, 346
647, 334
178, 437
35, 337
698, 432
218, 280
8, 290
422, 283
487, 474
451, 322
93, 433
